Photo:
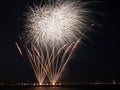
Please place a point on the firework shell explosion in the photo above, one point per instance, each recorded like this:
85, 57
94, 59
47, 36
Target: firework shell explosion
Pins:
52, 32
56, 23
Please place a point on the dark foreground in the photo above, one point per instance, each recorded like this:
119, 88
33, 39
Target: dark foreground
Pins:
77, 87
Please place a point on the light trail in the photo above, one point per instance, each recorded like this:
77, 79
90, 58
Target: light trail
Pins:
19, 49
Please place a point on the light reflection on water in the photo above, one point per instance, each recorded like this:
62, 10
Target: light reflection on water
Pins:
52, 88
40, 88
102, 87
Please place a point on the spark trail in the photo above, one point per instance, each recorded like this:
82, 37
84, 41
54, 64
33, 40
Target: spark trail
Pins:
20, 51
52, 32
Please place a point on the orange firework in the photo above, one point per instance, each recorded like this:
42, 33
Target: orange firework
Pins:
19, 49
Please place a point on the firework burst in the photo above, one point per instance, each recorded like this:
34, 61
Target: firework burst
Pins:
56, 23
52, 32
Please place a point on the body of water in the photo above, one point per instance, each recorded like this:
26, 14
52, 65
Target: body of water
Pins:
110, 87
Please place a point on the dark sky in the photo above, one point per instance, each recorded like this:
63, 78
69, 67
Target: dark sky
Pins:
96, 59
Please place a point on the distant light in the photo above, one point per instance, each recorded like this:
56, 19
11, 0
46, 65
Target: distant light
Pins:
53, 84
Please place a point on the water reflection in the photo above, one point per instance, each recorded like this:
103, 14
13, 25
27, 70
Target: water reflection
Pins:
102, 87
53, 88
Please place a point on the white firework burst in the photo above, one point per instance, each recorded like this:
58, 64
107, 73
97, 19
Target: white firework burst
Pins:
52, 32
56, 23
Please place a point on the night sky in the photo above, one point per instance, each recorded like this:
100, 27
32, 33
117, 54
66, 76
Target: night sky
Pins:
96, 59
